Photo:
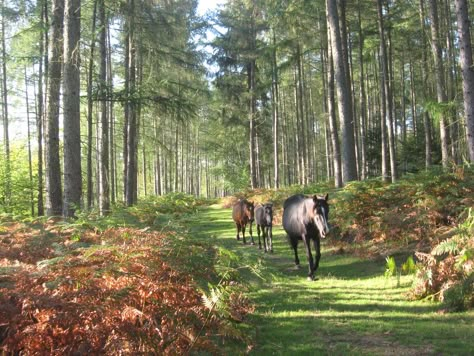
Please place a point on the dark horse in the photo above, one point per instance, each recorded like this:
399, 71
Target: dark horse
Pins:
264, 222
243, 213
306, 219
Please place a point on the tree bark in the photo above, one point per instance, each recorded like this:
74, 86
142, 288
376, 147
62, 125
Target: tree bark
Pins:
40, 116
467, 71
53, 167
349, 172
72, 114
6, 138
90, 102
386, 99
440, 81
104, 177
331, 111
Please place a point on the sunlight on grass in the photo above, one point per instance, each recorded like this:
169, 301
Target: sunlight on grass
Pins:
352, 308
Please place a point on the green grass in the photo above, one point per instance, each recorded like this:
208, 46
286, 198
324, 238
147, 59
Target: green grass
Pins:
350, 309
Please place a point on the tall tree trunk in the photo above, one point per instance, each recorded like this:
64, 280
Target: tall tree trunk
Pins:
72, 114
40, 115
331, 105
53, 167
349, 172
131, 167
90, 103
467, 71
6, 138
104, 176
386, 100
252, 130
303, 132
129, 25
275, 114
424, 74
362, 102
30, 163
440, 81
112, 160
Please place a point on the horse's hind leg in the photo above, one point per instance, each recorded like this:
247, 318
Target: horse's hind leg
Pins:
294, 245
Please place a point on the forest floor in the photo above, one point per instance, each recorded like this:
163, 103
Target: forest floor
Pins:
136, 281
352, 308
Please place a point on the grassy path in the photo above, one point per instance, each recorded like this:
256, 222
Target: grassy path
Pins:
351, 309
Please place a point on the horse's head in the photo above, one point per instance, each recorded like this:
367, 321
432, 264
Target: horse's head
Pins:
321, 214
249, 210
268, 209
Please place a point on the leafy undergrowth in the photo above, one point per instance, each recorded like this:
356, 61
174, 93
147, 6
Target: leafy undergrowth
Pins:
425, 215
131, 290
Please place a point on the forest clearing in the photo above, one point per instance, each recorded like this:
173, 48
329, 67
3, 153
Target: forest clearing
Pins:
169, 277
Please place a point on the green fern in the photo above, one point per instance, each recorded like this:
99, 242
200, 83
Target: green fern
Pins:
390, 266
409, 266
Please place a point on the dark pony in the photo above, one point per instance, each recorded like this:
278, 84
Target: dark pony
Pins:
242, 214
306, 219
264, 222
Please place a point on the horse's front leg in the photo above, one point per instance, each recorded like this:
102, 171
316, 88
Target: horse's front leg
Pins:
270, 238
251, 235
309, 256
317, 248
264, 235
258, 234
243, 233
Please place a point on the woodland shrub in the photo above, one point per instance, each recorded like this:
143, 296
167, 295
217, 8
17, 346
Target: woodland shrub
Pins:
446, 273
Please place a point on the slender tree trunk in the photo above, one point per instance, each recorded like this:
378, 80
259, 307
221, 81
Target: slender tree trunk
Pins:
104, 173
30, 163
386, 100
331, 107
349, 172
424, 77
72, 114
112, 159
467, 71
90, 102
362, 103
6, 138
252, 130
131, 167
129, 25
275, 113
40, 115
53, 167
440, 81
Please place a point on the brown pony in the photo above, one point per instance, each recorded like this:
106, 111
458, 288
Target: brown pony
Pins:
243, 213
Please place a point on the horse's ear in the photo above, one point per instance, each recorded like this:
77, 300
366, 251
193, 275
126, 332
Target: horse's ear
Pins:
326, 197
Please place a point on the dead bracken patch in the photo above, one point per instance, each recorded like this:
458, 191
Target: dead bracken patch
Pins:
111, 292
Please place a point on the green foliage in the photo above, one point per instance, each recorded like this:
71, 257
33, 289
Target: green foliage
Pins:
18, 200
446, 273
460, 295
409, 266
390, 266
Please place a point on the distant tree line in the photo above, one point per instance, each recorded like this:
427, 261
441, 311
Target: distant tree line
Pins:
117, 102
